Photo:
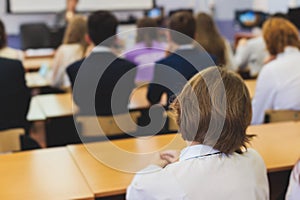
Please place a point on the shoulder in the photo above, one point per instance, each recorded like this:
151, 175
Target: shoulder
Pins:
75, 66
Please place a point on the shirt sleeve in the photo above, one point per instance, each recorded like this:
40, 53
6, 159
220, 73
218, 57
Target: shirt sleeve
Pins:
293, 192
264, 95
242, 56
230, 63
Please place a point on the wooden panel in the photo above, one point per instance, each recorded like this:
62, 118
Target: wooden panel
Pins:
42, 174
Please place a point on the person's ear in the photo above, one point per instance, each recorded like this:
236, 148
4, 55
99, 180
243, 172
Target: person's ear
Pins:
88, 39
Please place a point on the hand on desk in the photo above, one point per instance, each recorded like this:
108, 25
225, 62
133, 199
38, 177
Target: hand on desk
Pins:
166, 157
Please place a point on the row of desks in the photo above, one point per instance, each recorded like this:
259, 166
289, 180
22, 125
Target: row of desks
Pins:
60, 105
73, 173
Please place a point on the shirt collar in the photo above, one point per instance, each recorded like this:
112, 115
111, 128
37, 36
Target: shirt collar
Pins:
288, 50
195, 151
101, 49
185, 47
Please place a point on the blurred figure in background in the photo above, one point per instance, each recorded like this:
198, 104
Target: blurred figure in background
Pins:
209, 37
172, 72
252, 54
278, 84
73, 49
65, 16
147, 51
5, 51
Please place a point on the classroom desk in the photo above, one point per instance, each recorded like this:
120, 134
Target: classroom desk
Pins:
35, 112
42, 174
106, 181
35, 80
138, 98
251, 85
56, 105
278, 144
33, 63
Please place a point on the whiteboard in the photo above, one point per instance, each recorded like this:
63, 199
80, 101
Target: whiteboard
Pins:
48, 6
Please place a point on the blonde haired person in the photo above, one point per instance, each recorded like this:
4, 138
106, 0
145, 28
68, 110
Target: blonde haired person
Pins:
209, 37
5, 51
278, 84
73, 49
216, 165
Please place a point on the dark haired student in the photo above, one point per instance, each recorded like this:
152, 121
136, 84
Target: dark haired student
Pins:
102, 25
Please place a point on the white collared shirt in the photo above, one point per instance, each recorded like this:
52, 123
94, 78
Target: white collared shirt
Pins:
293, 191
204, 173
278, 85
98, 49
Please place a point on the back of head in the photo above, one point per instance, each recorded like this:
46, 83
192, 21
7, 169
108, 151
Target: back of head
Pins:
101, 26
145, 33
208, 34
214, 108
76, 30
182, 22
3, 39
279, 33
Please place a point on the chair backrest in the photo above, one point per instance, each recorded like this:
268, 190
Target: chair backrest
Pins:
281, 115
10, 140
172, 124
109, 124
35, 35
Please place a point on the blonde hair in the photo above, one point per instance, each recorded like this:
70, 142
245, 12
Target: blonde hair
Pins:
75, 32
208, 36
219, 95
279, 33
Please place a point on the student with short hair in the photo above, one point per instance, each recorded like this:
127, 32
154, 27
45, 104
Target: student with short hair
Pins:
102, 25
183, 63
278, 84
213, 112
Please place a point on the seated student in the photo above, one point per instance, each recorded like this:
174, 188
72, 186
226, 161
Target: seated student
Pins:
147, 51
72, 49
184, 62
216, 164
278, 84
293, 191
207, 34
5, 51
252, 54
15, 96
101, 26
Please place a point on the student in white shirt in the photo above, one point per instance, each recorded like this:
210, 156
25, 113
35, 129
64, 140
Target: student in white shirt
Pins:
216, 164
293, 192
73, 48
278, 84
